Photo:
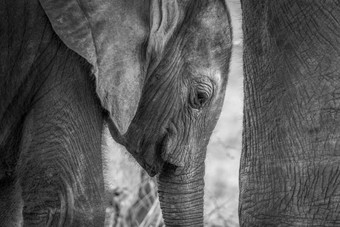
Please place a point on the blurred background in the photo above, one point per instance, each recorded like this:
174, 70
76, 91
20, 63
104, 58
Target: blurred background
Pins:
224, 149
132, 195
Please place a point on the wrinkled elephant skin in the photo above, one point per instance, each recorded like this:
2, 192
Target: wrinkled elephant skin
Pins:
289, 174
156, 70
50, 126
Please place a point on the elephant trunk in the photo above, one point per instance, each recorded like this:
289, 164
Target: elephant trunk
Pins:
181, 192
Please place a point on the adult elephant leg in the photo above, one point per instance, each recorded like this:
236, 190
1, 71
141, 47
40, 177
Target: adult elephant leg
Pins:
290, 162
60, 165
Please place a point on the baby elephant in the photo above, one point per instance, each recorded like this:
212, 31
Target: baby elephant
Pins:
160, 72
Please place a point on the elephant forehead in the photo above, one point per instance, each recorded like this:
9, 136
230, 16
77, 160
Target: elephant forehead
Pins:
206, 59
209, 38
213, 72
214, 13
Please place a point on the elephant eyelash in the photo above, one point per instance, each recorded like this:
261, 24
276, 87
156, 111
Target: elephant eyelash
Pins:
201, 95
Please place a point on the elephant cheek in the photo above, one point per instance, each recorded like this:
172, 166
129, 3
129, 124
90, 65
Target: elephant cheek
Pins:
152, 159
181, 193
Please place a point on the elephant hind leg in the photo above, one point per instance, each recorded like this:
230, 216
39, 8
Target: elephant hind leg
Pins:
10, 202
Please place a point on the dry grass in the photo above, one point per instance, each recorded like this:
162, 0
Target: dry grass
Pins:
145, 210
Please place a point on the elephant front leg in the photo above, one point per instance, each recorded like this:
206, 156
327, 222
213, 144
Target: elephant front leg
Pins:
60, 169
59, 186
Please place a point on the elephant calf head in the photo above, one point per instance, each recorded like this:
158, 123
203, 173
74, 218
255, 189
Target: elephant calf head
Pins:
161, 71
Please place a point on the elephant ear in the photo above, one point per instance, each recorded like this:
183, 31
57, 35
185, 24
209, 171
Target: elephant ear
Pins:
117, 37
109, 34
165, 15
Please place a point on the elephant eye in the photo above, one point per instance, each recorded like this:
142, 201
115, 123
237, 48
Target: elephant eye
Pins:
200, 96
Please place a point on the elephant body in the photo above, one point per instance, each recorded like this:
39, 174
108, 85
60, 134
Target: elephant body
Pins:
155, 71
289, 174
51, 122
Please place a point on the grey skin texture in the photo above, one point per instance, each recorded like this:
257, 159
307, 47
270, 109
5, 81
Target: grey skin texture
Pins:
156, 71
50, 126
179, 108
290, 173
